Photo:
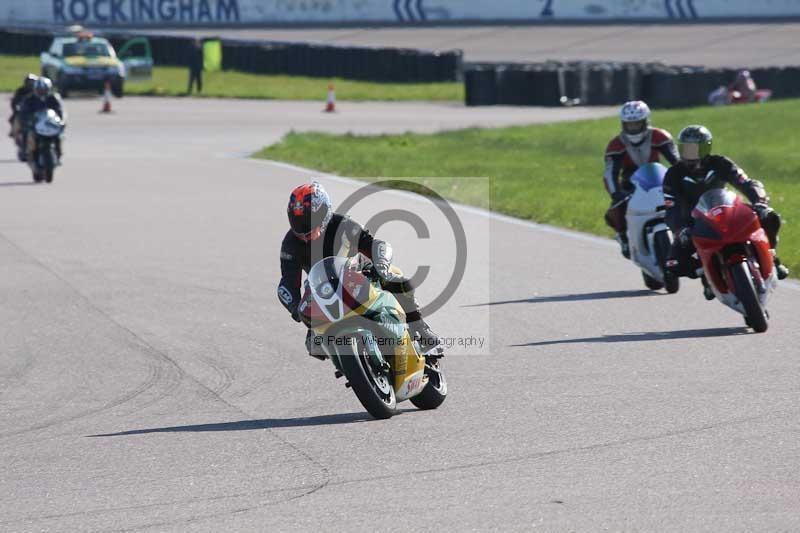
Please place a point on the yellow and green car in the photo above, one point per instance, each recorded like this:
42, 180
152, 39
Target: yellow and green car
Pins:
85, 62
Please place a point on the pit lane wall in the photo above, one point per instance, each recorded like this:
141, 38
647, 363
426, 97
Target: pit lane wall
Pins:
254, 12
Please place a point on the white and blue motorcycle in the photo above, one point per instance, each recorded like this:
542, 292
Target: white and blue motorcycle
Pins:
649, 238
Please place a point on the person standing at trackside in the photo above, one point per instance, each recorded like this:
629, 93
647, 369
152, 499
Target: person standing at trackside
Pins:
195, 66
697, 172
637, 144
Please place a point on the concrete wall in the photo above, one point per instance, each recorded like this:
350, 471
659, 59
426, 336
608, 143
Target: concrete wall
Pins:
251, 12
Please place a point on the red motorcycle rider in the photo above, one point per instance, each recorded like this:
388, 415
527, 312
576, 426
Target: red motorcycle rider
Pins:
637, 144
697, 172
317, 232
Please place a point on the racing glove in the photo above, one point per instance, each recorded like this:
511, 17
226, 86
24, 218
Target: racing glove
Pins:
382, 258
296, 315
762, 210
684, 237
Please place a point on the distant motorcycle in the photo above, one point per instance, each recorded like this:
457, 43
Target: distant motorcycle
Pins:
735, 253
47, 128
649, 237
360, 327
724, 96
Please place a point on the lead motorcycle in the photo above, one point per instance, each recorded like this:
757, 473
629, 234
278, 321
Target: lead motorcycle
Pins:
649, 237
735, 254
47, 129
362, 329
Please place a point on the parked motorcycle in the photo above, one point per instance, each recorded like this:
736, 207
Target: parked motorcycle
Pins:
735, 254
362, 329
47, 129
649, 237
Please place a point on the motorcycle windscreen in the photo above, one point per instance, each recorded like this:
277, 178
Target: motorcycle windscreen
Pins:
324, 281
715, 198
649, 176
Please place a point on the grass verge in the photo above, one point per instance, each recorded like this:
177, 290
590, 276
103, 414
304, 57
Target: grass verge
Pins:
552, 173
172, 81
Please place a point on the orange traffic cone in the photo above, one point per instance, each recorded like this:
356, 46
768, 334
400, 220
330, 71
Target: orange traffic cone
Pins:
330, 106
106, 98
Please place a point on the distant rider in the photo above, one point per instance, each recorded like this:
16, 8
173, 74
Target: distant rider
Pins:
744, 85
42, 98
697, 172
317, 232
637, 144
20, 94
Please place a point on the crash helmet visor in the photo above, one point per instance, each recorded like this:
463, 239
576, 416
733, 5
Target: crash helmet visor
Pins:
635, 127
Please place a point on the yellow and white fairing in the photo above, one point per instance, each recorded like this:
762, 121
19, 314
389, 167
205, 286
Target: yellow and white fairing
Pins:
407, 366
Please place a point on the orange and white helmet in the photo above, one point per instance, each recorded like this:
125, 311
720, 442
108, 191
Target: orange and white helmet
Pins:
309, 211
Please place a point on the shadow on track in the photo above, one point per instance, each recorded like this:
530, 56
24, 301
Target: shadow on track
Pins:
16, 183
647, 336
245, 425
604, 295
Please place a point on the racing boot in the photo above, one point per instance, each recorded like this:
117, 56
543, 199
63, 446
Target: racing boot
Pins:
780, 268
707, 291
429, 342
625, 249
59, 152
314, 346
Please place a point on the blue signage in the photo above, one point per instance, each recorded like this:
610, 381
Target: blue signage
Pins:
145, 11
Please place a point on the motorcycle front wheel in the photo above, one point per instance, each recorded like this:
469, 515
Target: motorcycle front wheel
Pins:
49, 164
663, 247
755, 317
435, 392
372, 386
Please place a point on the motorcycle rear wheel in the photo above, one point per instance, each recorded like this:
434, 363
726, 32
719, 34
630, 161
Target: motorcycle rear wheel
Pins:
651, 283
372, 386
435, 392
755, 317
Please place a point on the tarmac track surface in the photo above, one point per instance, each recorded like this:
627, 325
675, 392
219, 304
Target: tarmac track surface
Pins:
712, 45
150, 380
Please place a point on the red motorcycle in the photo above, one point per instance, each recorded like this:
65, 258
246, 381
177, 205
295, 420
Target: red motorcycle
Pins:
735, 253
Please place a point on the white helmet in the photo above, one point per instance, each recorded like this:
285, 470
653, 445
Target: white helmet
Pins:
635, 117
42, 87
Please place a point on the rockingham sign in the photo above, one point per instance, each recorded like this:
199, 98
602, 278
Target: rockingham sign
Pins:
233, 12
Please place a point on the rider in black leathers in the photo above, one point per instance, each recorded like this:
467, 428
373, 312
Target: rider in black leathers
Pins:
697, 172
42, 98
19, 96
317, 232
